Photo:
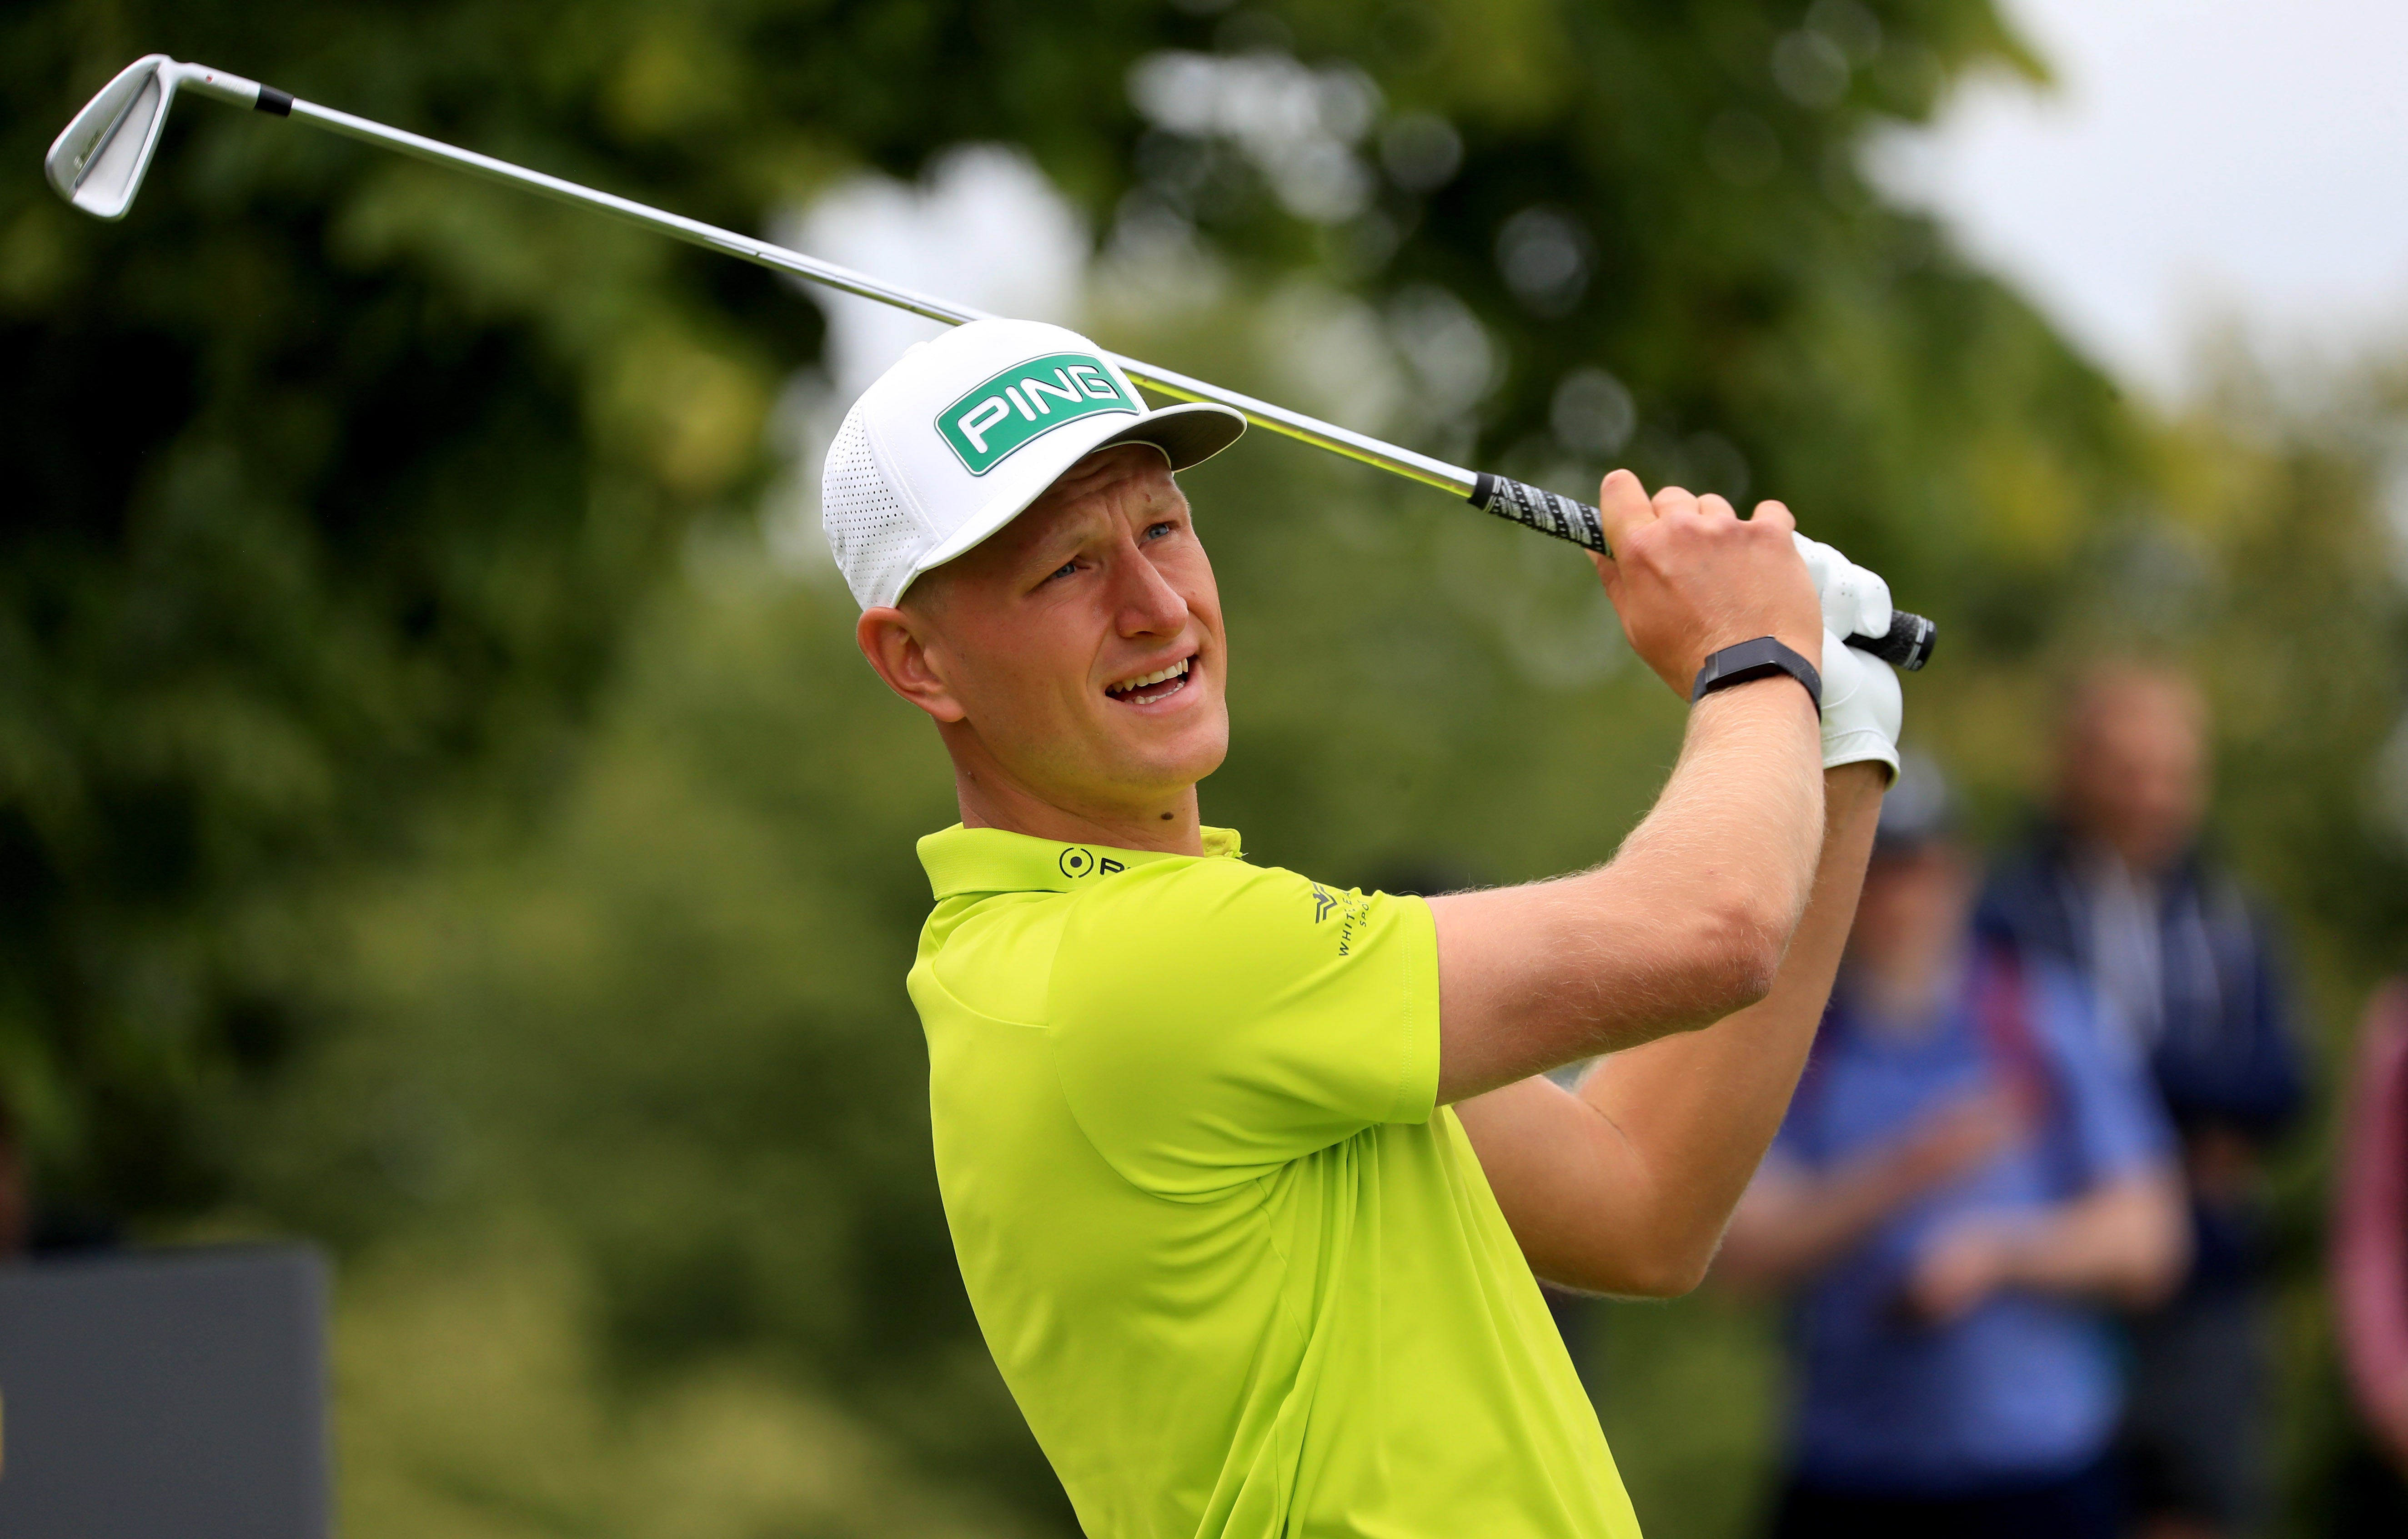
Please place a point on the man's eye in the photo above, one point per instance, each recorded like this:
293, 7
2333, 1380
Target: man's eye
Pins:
1155, 531
1065, 570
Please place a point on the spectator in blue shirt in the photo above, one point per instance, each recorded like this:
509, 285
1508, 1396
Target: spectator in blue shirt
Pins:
2116, 890
1970, 1176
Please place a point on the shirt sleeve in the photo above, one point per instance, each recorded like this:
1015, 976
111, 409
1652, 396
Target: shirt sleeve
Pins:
2113, 1115
1211, 1020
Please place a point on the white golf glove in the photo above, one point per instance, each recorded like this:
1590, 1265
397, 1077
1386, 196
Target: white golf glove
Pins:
1861, 708
1855, 602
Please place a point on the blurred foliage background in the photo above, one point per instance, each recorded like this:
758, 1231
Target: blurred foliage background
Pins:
441, 811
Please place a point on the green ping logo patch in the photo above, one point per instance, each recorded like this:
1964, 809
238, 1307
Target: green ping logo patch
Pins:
1024, 403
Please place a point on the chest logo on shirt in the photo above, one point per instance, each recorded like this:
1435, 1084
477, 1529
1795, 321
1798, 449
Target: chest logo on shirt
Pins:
1076, 862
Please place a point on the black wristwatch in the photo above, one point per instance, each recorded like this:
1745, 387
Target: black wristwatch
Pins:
1758, 660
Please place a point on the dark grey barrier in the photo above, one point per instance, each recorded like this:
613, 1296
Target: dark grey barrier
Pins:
178, 1393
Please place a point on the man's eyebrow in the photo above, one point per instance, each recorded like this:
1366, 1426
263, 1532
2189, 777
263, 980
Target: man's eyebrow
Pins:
1057, 545
1156, 500
1048, 551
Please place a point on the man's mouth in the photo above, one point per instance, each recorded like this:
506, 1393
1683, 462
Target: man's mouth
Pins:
1148, 688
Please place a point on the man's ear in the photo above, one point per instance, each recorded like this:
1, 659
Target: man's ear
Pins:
894, 643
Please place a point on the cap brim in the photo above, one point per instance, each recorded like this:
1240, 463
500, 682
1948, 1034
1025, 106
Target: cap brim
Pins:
1190, 434
1187, 434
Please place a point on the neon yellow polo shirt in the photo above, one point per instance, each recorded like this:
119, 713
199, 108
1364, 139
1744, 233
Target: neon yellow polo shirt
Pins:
1241, 1276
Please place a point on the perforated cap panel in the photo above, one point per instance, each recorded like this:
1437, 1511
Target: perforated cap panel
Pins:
872, 533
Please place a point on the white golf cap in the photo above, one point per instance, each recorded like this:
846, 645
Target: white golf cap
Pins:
965, 431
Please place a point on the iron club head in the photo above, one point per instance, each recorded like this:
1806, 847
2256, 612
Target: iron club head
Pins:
98, 160
97, 163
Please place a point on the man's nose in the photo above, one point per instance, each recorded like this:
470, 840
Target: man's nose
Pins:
1148, 605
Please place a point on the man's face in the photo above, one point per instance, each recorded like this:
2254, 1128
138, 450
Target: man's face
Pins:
1914, 905
1081, 645
2135, 769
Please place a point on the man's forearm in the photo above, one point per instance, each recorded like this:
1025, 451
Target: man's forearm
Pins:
1697, 1111
1685, 924
2127, 1243
1793, 1225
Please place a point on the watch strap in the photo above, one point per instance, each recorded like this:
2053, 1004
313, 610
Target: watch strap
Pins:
1759, 658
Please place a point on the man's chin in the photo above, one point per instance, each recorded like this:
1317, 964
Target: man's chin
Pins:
1166, 762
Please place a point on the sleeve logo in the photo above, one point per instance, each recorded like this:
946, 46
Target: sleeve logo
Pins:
1024, 403
1353, 909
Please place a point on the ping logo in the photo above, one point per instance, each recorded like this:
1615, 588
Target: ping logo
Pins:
1024, 402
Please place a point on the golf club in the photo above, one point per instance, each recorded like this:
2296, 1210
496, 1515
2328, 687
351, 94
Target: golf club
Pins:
97, 163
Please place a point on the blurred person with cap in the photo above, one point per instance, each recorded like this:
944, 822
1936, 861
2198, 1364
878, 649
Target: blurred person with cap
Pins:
1251, 1176
1970, 1177
2116, 888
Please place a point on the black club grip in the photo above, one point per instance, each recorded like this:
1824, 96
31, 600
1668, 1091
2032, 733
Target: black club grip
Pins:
1907, 646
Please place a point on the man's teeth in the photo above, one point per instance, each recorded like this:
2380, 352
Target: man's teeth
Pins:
1128, 686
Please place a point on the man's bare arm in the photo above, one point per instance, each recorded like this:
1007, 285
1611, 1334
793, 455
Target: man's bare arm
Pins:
1794, 1222
2127, 1242
1626, 1187
1690, 919
1687, 924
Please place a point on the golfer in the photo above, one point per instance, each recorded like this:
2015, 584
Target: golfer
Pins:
1249, 1175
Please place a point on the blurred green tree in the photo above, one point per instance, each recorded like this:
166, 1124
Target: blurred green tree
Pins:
338, 475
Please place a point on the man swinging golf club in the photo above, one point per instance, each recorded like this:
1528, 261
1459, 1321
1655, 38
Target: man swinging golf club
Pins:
1249, 1175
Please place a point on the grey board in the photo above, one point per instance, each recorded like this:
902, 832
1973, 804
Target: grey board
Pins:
178, 1392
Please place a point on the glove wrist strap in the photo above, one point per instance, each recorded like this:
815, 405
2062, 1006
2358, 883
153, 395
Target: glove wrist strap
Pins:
1760, 659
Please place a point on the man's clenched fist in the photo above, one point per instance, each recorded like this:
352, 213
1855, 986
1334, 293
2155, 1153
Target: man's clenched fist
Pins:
1689, 577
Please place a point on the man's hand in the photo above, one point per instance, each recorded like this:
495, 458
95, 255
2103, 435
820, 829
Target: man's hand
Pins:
1689, 577
1854, 599
1957, 1269
1860, 697
1793, 1223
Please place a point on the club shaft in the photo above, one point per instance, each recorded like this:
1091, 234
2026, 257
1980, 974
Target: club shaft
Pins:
1908, 643
1277, 419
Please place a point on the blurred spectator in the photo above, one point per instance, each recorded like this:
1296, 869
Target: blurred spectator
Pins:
2369, 1273
2117, 889
1969, 1174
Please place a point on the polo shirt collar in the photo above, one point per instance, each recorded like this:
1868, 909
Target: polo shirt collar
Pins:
972, 861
